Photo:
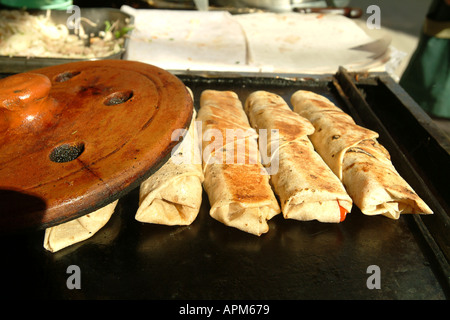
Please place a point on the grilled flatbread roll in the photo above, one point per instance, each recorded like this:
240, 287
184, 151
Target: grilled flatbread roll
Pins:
77, 230
358, 159
235, 180
173, 194
305, 185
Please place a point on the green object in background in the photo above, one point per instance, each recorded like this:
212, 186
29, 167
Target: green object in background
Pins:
38, 4
427, 76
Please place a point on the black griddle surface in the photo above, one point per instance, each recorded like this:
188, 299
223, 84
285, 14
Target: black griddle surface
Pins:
207, 260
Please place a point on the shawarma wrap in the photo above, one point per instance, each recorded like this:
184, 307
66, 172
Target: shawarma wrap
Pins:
236, 182
305, 185
358, 159
77, 230
173, 194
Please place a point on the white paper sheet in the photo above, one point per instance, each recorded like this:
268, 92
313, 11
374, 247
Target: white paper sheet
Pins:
293, 42
258, 42
178, 39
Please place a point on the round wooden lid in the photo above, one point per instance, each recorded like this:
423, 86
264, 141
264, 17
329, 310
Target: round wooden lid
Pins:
77, 136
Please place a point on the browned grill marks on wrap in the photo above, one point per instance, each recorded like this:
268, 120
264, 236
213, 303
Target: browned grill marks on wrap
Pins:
299, 155
238, 186
245, 182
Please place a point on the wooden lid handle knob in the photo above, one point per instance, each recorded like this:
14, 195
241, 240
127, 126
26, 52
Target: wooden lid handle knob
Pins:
24, 98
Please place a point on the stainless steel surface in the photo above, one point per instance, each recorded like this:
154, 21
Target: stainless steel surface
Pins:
280, 5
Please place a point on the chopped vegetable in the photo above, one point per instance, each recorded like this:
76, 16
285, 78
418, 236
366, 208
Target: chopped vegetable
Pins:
342, 211
26, 35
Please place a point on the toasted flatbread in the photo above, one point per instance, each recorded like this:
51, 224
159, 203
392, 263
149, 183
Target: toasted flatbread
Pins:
305, 185
238, 186
173, 194
77, 230
358, 159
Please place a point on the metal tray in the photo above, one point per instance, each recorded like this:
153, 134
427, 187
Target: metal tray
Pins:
294, 260
97, 15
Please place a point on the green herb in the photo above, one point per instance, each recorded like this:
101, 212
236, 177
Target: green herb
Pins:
120, 33
107, 25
